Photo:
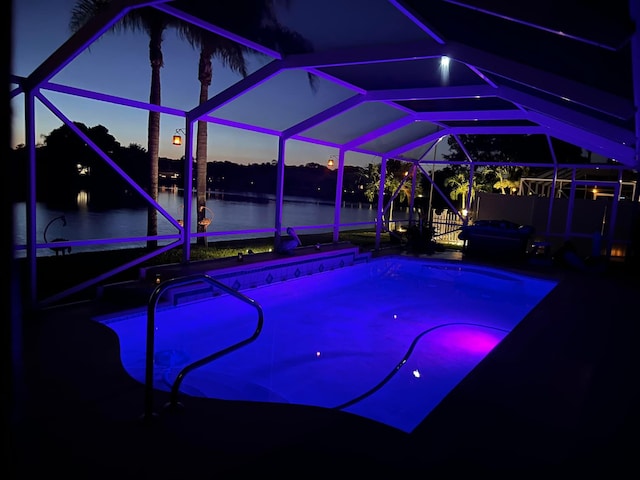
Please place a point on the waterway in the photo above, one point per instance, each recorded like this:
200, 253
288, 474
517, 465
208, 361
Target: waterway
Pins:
228, 213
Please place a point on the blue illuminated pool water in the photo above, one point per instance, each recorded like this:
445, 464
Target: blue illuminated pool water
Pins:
339, 339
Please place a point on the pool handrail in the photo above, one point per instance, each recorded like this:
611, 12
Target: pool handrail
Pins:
151, 310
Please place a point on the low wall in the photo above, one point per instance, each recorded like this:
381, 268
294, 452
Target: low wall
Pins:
255, 270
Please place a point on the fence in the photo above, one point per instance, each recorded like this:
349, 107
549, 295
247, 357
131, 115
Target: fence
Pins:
447, 226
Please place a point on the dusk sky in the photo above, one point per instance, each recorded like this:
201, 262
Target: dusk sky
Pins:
118, 64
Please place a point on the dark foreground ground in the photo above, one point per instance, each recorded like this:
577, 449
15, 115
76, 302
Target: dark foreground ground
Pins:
559, 395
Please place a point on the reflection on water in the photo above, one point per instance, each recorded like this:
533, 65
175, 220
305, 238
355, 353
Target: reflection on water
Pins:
83, 199
227, 211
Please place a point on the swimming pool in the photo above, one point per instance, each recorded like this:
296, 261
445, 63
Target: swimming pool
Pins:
387, 339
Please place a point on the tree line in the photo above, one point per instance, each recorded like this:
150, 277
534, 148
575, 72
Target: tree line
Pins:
65, 164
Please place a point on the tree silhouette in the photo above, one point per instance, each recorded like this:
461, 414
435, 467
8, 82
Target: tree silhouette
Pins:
255, 20
154, 23
66, 164
505, 155
458, 185
396, 179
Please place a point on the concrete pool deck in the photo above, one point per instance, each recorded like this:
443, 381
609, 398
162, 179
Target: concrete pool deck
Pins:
558, 395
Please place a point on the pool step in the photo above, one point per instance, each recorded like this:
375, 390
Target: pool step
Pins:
190, 293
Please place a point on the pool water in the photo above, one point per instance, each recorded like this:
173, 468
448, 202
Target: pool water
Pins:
386, 340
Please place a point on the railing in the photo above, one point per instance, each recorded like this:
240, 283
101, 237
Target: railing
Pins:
446, 227
151, 310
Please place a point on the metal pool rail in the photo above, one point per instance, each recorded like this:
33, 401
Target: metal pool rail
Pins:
151, 311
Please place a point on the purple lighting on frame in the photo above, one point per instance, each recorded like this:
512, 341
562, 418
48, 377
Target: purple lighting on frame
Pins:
420, 24
218, 30
512, 18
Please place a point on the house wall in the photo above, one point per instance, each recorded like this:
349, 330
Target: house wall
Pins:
586, 221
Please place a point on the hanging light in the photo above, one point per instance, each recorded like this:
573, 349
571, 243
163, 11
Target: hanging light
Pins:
332, 161
177, 139
206, 221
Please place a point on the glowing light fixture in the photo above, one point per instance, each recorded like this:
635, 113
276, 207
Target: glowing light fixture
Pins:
332, 161
177, 139
206, 221
444, 69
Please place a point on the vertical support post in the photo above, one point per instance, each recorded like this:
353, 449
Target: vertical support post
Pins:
634, 10
380, 212
552, 191
572, 194
280, 168
414, 168
469, 192
188, 191
338, 203
30, 137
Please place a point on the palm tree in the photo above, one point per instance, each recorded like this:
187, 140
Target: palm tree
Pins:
400, 181
508, 177
395, 180
154, 23
459, 185
255, 20
370, 178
